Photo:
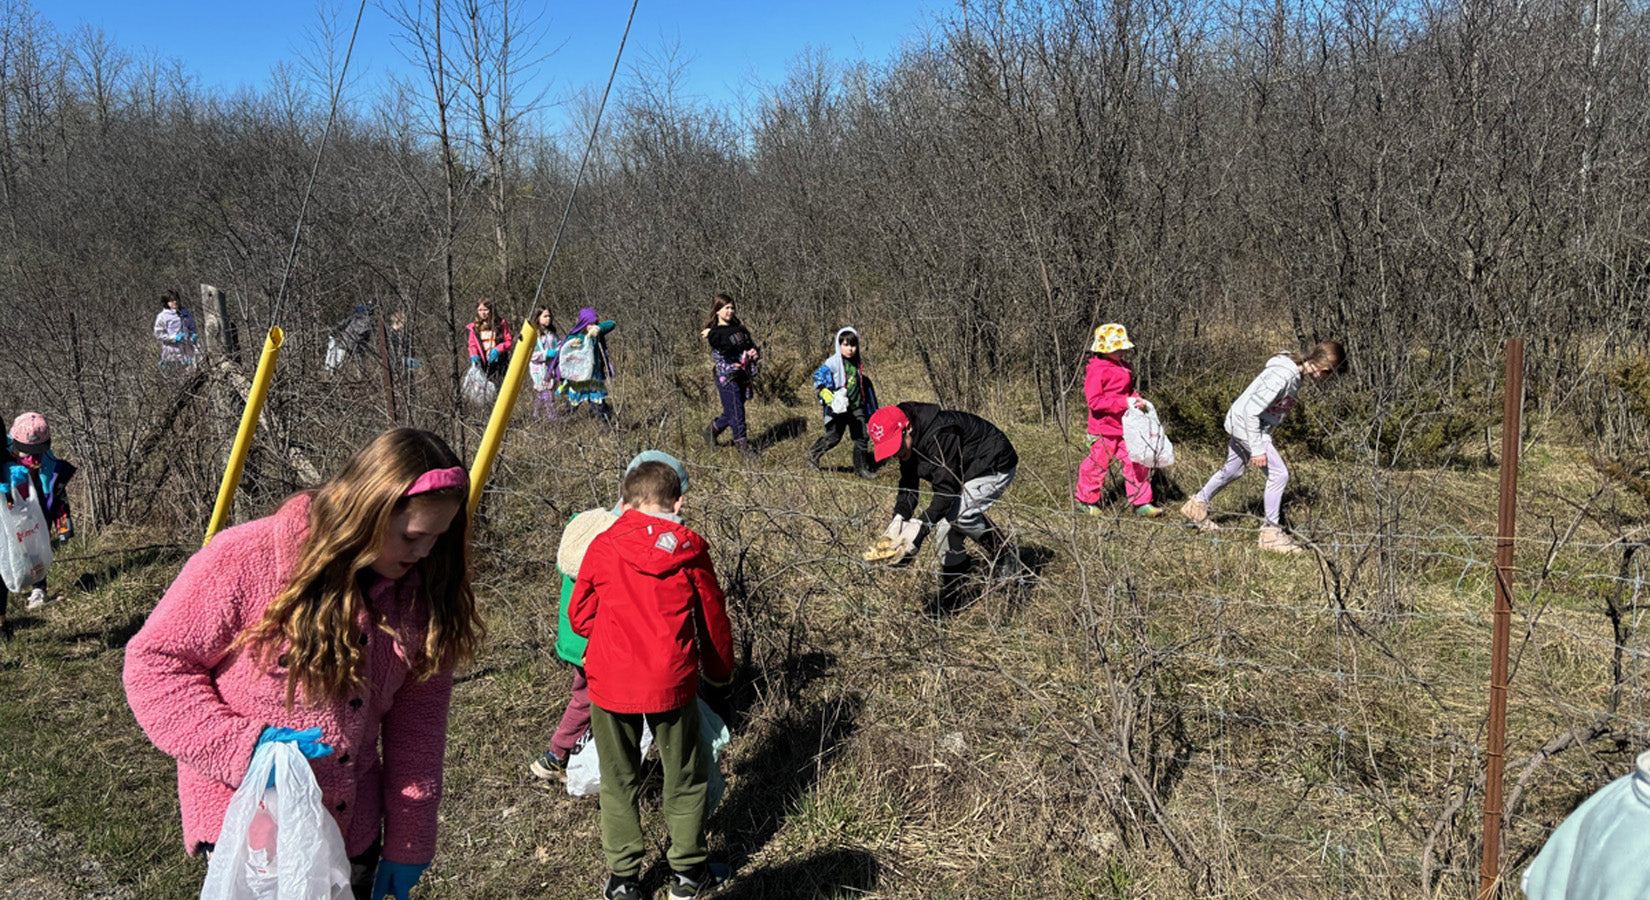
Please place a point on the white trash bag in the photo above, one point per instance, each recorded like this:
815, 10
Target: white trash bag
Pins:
584, 774
1144, 439
279, 843
477, 389
28, 543
576, 360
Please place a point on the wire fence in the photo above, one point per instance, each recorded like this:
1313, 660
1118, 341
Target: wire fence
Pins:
1246, 724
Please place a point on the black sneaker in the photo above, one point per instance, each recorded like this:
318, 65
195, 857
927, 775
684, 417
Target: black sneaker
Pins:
702, 881
621, 888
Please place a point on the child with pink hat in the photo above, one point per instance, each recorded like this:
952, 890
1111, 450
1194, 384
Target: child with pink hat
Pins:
32, 470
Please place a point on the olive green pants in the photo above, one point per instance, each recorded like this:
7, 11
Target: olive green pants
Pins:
618, 751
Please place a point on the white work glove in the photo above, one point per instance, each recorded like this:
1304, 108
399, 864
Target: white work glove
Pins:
839, 402
898, 541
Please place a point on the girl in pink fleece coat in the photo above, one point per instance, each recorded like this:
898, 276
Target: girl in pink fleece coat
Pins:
1108, 386
335, 623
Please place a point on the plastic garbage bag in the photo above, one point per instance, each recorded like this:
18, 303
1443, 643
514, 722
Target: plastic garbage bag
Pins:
576, 361
584, 776
28, 543
477, 389
278, 843
1598, 852
1144, 439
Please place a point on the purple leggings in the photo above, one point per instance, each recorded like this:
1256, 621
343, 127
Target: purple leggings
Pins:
576, 720
1237, 460
733, 408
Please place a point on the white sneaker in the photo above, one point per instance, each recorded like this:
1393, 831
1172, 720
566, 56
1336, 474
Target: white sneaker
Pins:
1276, 540
37, 598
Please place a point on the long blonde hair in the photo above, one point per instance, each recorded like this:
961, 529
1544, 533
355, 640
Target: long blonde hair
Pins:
312, 621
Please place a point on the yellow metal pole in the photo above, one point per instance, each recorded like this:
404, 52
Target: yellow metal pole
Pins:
482, 468
243, 437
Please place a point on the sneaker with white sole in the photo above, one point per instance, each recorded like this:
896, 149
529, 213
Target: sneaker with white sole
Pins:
37, 598
702, 881
619, 887
1148, 511
549, 767
1275, 540
1197, 513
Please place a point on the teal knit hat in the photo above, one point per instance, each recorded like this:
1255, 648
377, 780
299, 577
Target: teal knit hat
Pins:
655, 456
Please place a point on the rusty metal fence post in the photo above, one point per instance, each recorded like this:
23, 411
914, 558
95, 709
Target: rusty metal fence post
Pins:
1506, 520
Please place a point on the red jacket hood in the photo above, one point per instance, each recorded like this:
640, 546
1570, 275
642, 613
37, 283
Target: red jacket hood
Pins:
653, 545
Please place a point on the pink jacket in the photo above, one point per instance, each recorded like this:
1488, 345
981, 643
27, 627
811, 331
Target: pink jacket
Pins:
205, 705
1107, 386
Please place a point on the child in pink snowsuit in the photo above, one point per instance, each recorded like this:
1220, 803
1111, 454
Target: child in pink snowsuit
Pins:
1108, 386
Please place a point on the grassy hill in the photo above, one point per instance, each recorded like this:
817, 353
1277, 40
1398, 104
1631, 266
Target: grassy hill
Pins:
1162, 713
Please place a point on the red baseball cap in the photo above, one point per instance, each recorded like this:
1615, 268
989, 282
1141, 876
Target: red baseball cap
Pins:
887, 430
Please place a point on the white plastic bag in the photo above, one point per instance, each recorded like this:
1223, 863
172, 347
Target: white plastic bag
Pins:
1144, 439
584, 775
477, 389
576, 361
279, 843
28, 543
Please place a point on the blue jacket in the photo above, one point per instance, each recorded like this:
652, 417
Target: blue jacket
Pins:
49, 481
833, 374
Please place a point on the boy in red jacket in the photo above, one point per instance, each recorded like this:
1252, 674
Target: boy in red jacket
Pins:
648, 600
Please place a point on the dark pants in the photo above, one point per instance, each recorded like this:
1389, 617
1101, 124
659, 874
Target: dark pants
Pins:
851, 422
733, 409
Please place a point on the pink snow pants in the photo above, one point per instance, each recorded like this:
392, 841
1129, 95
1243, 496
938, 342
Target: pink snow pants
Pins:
1091, 475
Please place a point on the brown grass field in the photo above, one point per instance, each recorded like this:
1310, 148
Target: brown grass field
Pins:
1162, 713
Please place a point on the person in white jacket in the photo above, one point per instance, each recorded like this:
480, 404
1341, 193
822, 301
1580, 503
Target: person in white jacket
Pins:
175, 330
1250, 421
1598, 852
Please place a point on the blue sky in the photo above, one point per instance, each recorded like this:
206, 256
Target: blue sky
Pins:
729, 45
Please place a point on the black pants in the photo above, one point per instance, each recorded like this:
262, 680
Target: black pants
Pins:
852, 422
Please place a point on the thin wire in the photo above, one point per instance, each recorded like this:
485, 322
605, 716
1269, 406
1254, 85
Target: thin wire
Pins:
314, 169
589, 148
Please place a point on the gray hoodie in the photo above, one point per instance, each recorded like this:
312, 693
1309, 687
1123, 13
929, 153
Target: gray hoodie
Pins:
1265, 402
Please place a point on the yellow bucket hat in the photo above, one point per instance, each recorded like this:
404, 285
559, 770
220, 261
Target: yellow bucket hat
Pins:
1109, 337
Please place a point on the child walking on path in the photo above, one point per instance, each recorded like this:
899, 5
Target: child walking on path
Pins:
648, 600
583, 363
848, 400
1108, 386
733, 354
334, 624
570, 646
1250, 421
33, 471
541, 366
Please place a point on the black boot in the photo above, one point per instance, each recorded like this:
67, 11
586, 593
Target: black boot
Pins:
862, 463
745, 449
710, 435
1002, 554
953, 592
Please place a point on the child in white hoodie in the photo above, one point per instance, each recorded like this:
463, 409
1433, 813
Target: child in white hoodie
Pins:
1250, 421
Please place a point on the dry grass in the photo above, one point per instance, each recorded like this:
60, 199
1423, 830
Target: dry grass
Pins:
1164, 713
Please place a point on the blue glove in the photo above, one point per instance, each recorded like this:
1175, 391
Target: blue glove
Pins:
492, 356
396, 879
475, 362
414, 364
308, 742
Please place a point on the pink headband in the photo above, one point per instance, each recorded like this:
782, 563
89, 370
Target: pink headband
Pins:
439, 480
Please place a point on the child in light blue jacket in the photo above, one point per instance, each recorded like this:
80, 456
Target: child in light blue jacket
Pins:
847, 400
